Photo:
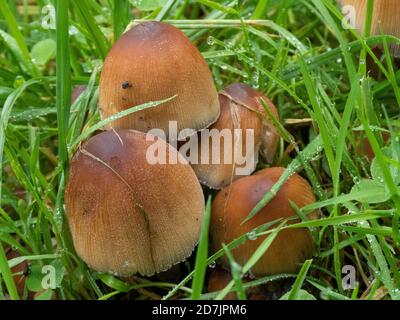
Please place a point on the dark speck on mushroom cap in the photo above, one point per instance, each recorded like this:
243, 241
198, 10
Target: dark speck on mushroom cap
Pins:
126, 85
154, 61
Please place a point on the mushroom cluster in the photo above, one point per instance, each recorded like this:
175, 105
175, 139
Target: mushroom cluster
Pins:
128, 214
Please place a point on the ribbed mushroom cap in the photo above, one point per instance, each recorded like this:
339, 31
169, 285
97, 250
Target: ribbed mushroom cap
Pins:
249, 98
386, 16
240, 109
154, 61
128, 216
233, 204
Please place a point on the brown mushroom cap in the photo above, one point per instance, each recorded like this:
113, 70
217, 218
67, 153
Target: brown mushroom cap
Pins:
232, 205
249, 98
385, 16
240, 109
154, 61
129, 216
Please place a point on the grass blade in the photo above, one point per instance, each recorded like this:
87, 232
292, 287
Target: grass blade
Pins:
63, 78
84, 135
121, 17
294, 293
7, 275
262, 248
201, 256
5, 115
311, 151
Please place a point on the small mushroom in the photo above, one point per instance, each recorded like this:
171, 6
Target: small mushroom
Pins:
241, 111
385, 17
233, 204
155, 61
127, 215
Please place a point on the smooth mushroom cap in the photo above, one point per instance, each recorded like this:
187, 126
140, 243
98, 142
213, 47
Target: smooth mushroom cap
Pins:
385, 17
233, 204
155, 61
240, 109
126, 215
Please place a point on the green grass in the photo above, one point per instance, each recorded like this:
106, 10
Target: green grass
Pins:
295, 51
200, 266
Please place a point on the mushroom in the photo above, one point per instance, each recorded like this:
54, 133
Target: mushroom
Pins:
155, 61
385, 16
241, 111
232, 205
127, 215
